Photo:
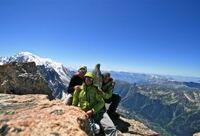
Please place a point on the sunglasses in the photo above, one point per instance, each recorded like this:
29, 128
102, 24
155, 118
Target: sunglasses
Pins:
88, 78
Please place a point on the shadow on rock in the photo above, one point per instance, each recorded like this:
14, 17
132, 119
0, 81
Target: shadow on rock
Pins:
121, 125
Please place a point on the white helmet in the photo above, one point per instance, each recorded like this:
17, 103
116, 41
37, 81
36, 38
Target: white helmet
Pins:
95, 128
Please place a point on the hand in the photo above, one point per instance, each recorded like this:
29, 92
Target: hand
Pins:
99, 91
77, 87
113, 83
89, 113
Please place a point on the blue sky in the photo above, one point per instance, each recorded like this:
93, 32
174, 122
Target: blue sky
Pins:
148, 36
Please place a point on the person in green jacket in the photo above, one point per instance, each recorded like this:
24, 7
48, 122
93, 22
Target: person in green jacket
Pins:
93, 104
108, 95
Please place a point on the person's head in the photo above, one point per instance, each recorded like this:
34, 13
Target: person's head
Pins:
106, 77
89, 77
82, 70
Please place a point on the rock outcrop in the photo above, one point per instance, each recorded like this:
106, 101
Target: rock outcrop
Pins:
35, 115
22, 78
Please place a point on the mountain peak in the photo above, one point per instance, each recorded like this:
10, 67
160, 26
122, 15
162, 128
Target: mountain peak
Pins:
25, 53
30, 57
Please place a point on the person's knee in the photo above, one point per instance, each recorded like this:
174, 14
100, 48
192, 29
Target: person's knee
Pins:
116, 97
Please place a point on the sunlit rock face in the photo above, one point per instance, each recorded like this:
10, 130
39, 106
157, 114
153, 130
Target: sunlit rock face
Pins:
35, 115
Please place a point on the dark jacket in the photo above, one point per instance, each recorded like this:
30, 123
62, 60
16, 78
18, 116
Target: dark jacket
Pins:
75, 80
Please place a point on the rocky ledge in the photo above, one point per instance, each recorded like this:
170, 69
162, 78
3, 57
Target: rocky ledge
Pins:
35, 115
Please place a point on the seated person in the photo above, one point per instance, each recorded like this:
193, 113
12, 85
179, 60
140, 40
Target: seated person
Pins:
75, 83
93, 104
109, 96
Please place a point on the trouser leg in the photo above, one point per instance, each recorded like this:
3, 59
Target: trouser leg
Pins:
108, 126
114, 103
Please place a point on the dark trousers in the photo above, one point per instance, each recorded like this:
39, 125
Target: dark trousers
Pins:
114, 100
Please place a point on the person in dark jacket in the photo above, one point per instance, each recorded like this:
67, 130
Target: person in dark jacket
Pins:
75, 83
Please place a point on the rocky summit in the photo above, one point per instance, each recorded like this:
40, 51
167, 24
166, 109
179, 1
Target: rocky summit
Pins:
36, 115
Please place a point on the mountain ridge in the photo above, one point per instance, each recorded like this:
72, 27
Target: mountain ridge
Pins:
176, 110
57, 75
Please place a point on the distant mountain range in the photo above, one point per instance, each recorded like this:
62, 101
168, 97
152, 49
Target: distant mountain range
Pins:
169, 104
139, 78
167, 109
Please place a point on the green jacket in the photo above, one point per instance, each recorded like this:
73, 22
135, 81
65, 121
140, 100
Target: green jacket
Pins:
107, 89
88, 99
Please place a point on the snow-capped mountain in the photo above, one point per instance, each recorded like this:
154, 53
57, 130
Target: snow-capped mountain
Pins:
57, 75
